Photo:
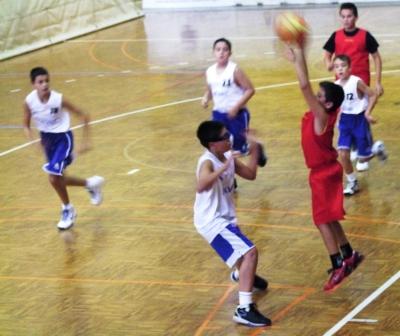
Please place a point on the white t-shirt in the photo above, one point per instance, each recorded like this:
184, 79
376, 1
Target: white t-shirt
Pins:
225, 91
214, 208
49, 117
352, 104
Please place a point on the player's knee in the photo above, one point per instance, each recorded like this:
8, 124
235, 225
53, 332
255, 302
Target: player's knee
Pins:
252, 255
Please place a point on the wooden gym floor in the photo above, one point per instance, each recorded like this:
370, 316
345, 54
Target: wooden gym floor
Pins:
135, 265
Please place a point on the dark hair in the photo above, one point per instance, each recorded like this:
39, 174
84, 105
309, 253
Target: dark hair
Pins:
223, 39
38, 71
333, 94
208, 131
343, 58
351, 6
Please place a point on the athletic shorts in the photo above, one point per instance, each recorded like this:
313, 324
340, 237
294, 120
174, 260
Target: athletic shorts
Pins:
58, 148
231, 244
354, 130
237, 126
327, 193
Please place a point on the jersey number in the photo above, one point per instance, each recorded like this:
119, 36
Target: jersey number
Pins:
349, 96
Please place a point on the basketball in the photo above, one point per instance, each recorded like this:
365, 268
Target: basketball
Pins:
291, 27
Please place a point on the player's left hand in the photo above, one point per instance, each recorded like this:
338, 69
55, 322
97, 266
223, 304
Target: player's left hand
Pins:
379, 89
370, 118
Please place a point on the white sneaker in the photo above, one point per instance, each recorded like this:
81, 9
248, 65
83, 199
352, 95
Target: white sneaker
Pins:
351, 188
94, 185
67, 218
362, 166
378, 148
353, 155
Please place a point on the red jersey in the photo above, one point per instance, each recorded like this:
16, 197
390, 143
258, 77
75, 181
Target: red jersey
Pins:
356, 48
318, 149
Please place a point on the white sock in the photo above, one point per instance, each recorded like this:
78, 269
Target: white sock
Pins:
351, 177
245, 299
66, 206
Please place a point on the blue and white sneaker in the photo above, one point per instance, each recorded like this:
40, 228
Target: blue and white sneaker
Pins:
94, 185
250, 316
67, 218
378, 148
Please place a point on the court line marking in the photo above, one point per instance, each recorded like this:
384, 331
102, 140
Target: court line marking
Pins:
363, 320
246, 38
362, 305
184, 101
133, 171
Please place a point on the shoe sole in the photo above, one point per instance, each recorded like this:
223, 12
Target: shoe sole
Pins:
351, 194
239, 320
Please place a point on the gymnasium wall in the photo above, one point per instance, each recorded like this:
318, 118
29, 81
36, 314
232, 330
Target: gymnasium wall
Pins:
165, 4
27, 25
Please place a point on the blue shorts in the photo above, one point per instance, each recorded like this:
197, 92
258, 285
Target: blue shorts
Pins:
237, 126
355, 129
58, 148
231, 244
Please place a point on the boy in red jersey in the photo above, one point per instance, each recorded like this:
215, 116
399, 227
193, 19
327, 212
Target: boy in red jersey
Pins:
357, 43
325, 171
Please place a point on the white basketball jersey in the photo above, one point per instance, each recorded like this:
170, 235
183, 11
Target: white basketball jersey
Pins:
352, 104
224, 90
214, 208
49, 117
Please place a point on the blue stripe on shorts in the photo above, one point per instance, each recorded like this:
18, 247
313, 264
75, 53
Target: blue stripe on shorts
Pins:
58, 148
231, 244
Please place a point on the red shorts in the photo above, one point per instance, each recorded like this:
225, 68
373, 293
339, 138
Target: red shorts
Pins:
327, 193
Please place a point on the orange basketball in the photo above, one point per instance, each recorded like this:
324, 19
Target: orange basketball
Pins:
291, 27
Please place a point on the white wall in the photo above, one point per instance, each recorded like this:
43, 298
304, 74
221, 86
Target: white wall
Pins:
27, 25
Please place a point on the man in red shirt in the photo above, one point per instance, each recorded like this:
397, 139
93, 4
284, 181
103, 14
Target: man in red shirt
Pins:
326, 173
357, 43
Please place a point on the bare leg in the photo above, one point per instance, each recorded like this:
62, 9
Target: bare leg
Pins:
58, 183
344, 155
339, 233
74, 181
329, 238
247, 269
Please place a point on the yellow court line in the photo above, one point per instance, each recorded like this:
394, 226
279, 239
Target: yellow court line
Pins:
95, 59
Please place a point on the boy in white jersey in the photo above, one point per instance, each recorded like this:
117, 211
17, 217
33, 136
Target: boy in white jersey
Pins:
354, 123
230, 89
215, 216
47, 108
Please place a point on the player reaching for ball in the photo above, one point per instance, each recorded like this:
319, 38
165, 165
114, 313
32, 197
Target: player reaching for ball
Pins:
326, 173
48, 110
230, 89
215, 216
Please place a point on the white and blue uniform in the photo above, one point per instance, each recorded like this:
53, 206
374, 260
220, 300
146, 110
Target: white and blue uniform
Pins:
215, 215
53, 123
353, 126
226, 93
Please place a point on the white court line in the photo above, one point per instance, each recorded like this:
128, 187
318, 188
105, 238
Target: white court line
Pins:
362, 305
122, 115
70, 80
15, 90
133, 171
363, 320
271, 37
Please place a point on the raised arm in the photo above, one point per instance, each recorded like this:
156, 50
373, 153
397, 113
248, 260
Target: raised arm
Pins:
207, 175
296, 55
249, 171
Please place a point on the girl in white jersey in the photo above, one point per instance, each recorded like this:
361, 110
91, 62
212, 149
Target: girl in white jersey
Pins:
354, 122
47, 109
230, 89
215, 217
